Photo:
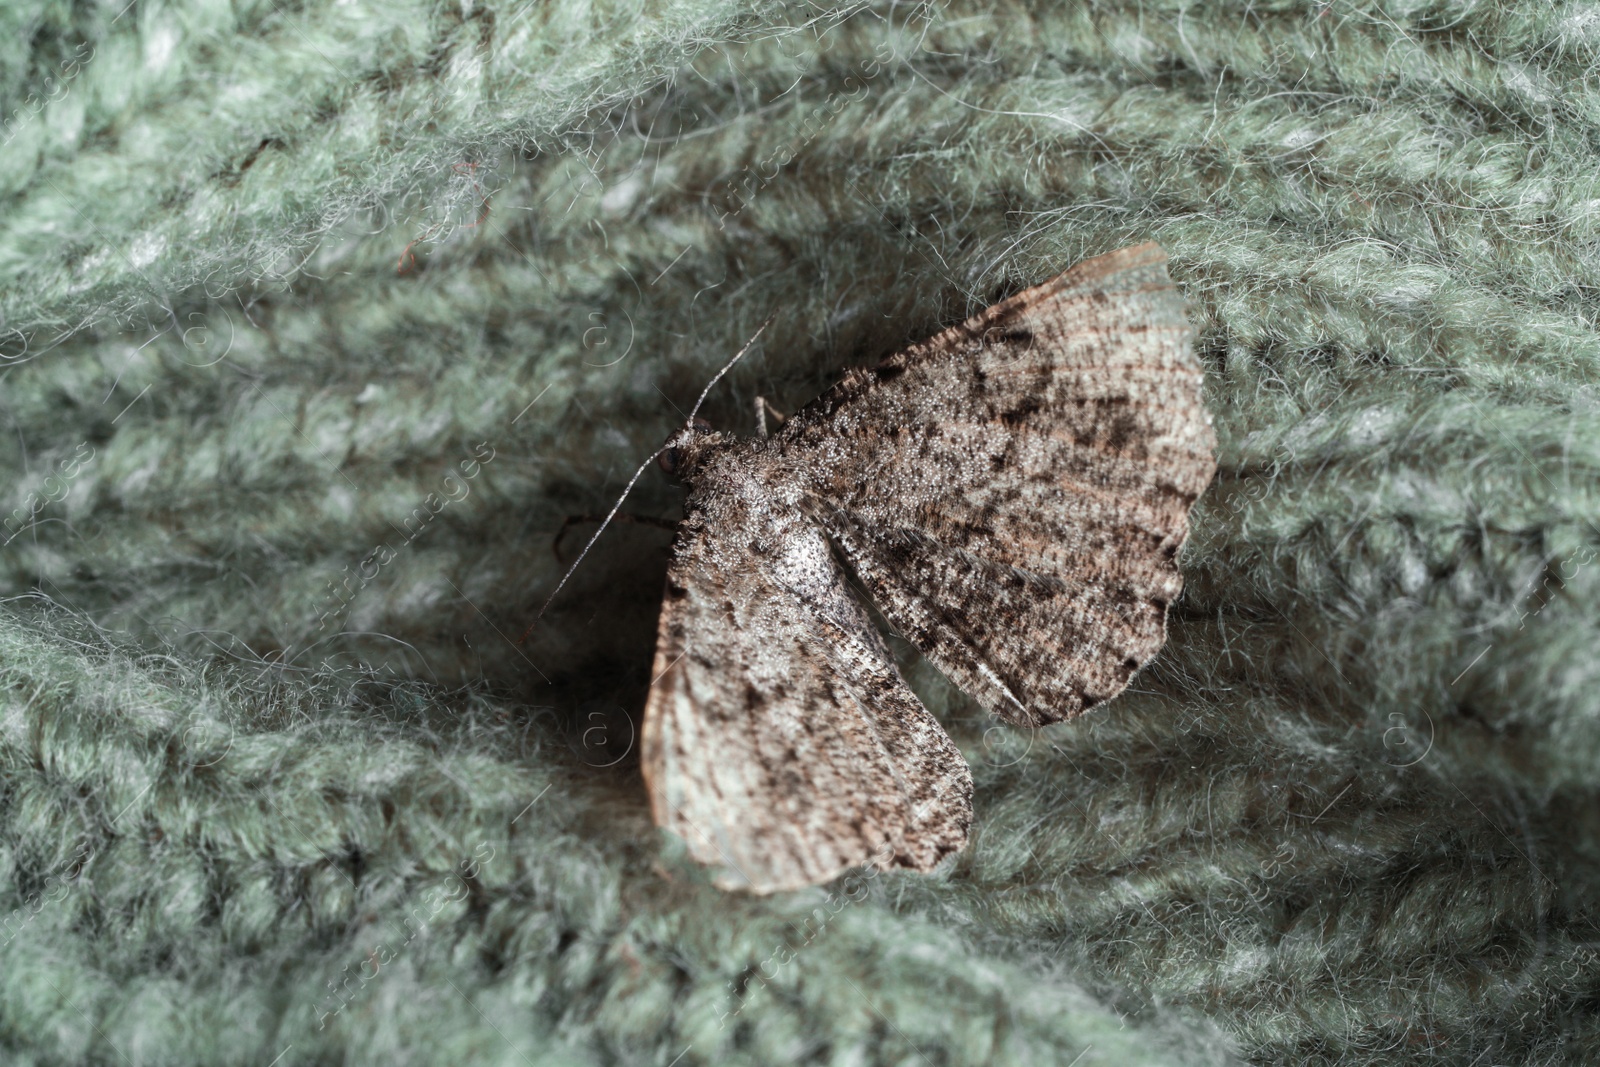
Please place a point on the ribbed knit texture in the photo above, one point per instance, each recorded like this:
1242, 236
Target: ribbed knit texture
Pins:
321, 317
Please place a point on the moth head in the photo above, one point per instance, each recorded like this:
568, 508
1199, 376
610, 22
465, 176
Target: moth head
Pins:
681, 454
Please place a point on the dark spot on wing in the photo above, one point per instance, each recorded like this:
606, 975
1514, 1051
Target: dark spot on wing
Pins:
1028, 406
1016, 334
1124, 428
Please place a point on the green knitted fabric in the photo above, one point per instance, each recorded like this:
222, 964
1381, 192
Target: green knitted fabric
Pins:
320, 317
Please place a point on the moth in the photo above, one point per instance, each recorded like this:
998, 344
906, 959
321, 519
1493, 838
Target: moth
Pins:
1012, 494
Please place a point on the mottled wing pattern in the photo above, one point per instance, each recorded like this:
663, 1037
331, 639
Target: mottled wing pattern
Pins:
1013, 492
780, 741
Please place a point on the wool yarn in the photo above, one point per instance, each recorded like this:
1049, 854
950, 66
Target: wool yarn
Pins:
320, 318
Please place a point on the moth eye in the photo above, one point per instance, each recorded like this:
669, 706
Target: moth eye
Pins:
701, 424
670, 459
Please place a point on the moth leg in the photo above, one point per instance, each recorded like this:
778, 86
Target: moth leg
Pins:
763, 409
621, 516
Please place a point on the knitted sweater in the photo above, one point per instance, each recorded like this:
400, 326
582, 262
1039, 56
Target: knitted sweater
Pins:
321, 318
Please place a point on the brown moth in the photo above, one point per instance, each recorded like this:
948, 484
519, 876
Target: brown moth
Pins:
1012, 493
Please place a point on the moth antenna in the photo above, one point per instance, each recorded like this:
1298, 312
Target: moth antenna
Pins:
609, 516
640, 472
737, 356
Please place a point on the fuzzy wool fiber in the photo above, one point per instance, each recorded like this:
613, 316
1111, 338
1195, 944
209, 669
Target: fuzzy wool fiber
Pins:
320, 318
